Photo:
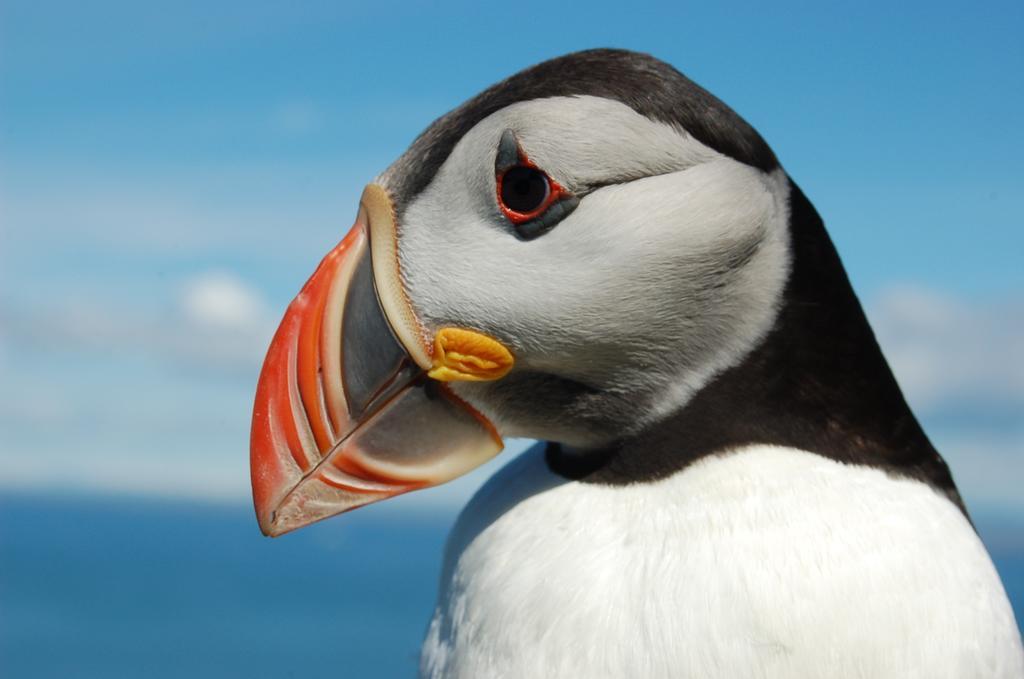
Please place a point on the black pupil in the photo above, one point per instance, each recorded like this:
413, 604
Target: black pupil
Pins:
524, 189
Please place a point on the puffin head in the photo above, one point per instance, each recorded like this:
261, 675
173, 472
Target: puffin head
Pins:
570, 256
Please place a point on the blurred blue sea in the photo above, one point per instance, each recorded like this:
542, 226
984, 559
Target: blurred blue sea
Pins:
116, 588
100, 587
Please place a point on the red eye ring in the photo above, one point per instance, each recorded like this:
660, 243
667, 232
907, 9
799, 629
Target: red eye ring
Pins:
554, 191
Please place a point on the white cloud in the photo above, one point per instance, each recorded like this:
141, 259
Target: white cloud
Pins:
218, 322
947, 352
219, 299
223, 322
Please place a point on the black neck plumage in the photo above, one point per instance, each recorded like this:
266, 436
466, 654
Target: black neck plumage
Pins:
818, 382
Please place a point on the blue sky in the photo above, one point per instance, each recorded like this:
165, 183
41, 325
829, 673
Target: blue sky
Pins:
171, 172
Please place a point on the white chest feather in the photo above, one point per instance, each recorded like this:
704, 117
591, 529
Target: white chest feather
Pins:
769, 562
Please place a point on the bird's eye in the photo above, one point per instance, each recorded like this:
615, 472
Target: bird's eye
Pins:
524, 190
527, 196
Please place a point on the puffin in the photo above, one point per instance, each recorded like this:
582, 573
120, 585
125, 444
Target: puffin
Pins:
599, 254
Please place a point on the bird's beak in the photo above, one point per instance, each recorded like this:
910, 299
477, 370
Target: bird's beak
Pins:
352, 404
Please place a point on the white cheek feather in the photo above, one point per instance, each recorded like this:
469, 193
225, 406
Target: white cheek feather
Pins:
642, 267
768, 563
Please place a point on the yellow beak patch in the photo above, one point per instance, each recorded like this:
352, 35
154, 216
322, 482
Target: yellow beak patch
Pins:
468, 356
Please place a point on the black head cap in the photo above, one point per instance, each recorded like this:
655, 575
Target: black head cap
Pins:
645, 84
